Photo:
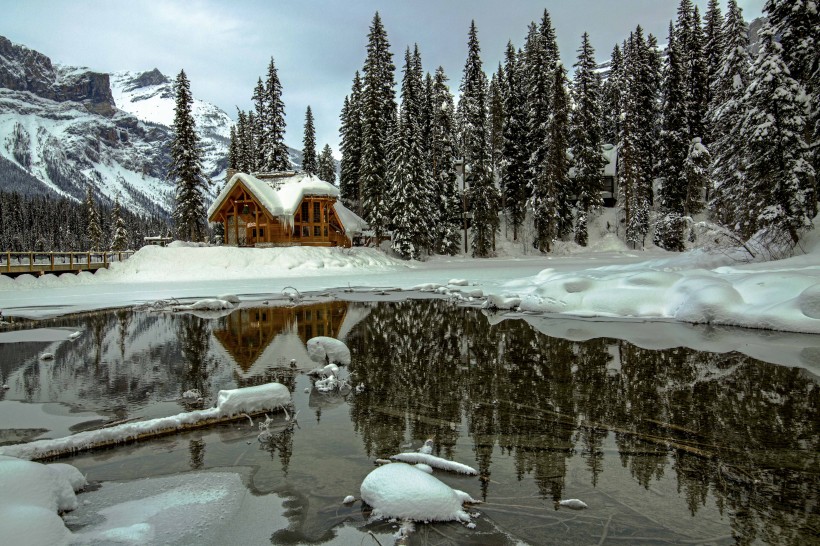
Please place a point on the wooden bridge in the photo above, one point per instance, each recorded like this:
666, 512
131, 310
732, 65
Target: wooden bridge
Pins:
40, 263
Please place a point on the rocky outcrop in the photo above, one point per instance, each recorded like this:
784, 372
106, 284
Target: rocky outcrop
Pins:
23, 69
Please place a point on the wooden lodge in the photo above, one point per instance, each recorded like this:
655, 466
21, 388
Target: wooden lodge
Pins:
283, 209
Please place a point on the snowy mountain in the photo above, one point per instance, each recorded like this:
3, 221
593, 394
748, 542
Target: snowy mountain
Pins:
149, 96
65, 128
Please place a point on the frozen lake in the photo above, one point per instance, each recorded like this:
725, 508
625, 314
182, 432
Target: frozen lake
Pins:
664, 442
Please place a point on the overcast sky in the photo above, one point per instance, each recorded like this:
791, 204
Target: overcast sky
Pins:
317, 45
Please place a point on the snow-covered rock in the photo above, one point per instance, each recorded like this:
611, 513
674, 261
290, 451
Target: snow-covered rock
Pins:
328, 349
573, 504
435, 462
402, 491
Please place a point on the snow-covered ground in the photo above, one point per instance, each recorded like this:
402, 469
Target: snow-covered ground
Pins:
606, 280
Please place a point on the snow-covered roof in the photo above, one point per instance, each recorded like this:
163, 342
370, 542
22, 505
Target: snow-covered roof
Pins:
282, 196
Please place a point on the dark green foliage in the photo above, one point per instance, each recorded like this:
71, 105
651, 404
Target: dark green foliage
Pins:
448, 205
326, 165
351, 146
514, 149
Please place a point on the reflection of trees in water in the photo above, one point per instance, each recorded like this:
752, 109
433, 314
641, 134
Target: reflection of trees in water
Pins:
725, 424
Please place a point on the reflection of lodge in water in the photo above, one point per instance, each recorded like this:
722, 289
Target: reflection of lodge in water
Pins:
261, 337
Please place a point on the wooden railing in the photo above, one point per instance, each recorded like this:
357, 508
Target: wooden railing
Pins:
58, 262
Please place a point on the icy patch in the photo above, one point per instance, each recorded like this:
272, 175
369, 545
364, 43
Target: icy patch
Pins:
45, 335
56, 418
399, 490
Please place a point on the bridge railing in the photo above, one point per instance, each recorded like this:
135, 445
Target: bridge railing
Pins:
15, 262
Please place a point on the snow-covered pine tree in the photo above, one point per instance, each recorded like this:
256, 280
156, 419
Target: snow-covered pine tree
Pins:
410, 203
778, 167
586, 138
713, 52
495, 100
426, 122
611, 98
797, 24
674, 149
448, 205
93, 231
326, 165
514, 148
378, 112
725, 116
119, 237
309, 164
233, 149
557, 167
259, 134
186, 167
276, 157
350, 133
698, 102
637, 139
244, 138
251, 133
481, 191
538, 73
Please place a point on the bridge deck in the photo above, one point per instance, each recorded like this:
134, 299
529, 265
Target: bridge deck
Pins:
40, 263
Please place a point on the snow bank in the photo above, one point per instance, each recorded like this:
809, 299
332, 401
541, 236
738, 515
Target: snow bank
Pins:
696, 287
230, 403
399, 490
31, 495
328, 349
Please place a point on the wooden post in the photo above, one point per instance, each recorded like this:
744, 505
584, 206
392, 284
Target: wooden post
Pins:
70, 261
31, 261
51, 256
8, 260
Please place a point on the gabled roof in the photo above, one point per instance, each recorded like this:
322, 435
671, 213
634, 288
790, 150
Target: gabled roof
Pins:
281, 197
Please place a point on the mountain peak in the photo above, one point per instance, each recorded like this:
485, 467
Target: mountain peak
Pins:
147, 79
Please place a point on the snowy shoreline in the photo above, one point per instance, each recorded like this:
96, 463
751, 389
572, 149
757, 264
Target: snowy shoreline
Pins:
695, 287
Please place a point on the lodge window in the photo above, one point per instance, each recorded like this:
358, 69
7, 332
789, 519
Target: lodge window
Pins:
325, 231
307, 315
316, 213
305, 231
305, 212
308, 331
297, 232
317, 231
261, 232
254, 232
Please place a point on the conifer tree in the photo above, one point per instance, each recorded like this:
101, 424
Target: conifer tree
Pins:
713, 50
778, 169
514, 148
675, 148
276, 157
233, 149
93, 229
258, 128
378, 113
448, 206
538, 71
725, 116
611, 98
244, 138
309, 164
326, 165
797, 24
410, 204
698, 176
586, 138
351, 146
426, 115
481, 191
496, 117
251, 134
119, 238
556, 169
637, 137
186, 167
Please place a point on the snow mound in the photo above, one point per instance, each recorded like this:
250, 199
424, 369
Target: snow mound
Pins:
328, 349
252, 399
33, 494
574, 504
399, 490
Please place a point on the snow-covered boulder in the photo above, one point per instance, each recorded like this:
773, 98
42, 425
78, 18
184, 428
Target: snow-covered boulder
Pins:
435, 462
252, 399
328, 349
402, 491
